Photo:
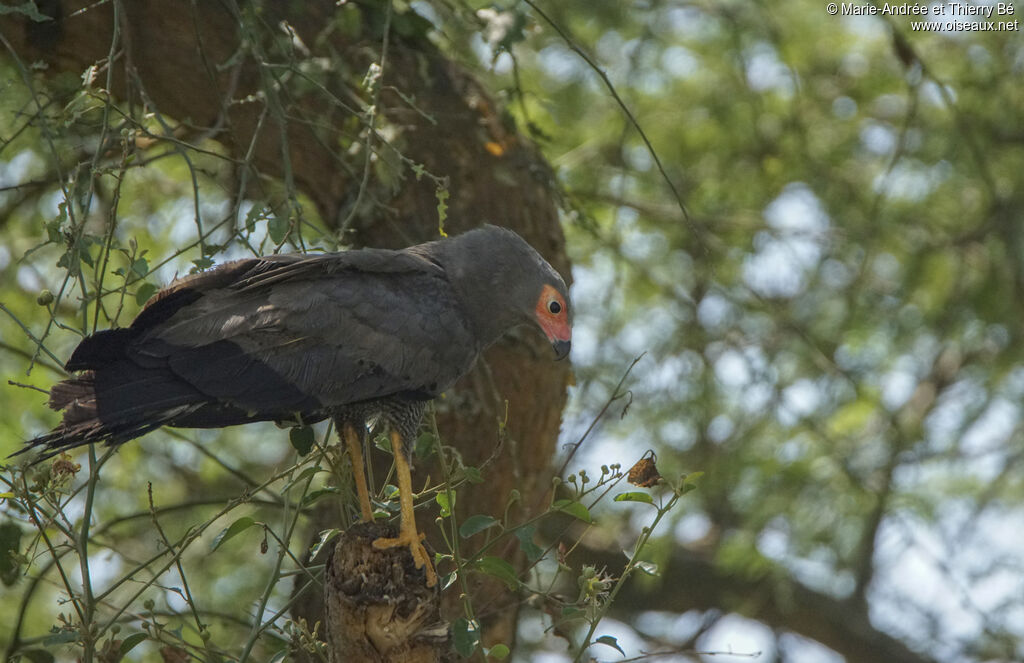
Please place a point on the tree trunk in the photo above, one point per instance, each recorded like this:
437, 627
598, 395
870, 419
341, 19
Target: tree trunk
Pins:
190, 60
377, 607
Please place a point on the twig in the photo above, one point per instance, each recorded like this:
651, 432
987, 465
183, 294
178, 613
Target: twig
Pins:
574, 47
616, 395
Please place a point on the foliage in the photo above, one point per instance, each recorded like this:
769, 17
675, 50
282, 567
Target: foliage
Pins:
833, 336
831, 324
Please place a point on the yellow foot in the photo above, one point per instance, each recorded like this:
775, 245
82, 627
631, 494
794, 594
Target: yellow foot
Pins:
407, 534
419, 554
355, 450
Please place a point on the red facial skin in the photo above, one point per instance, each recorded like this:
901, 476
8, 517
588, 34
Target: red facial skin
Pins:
555, 325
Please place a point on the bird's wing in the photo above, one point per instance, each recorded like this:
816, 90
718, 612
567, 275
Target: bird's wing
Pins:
292, 334
256, 273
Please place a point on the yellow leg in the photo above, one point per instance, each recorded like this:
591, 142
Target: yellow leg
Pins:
407, 534
355, 452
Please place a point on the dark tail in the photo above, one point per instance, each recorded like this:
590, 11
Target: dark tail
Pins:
122, 400
115, 404
117, 398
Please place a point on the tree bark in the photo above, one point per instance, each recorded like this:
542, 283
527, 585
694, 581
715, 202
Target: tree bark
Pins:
213, 67
377, 607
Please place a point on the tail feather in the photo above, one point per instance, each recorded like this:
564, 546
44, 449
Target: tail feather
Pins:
76, 392
63, 438
123, 400
118, 403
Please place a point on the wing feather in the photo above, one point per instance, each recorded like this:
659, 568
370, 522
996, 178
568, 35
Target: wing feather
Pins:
304, 334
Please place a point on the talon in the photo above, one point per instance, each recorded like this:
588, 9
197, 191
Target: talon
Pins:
420, 556
387, 542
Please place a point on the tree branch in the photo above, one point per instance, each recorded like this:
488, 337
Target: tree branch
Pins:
690, 580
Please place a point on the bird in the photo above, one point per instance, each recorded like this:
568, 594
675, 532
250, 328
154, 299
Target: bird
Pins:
354, 335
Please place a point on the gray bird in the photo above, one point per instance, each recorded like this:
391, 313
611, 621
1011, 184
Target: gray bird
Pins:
351, 335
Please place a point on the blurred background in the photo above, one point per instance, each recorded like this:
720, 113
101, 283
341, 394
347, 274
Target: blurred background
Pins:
805, 229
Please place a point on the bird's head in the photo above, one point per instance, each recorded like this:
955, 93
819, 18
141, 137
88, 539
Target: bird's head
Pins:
532, 288
506, 283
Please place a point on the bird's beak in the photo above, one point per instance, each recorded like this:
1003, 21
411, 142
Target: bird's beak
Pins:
561, 349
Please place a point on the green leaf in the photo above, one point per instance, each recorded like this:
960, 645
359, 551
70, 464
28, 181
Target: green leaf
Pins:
10, 558
277, 228
499, 652
60, 637
144, 292
27, 8
255, 214
425, 445
53, 230
465, 636
442, 195
131, 641
500, 569
572, 612
410, 25
140, 267
69, 261
532, 550
472, 474
302, 439
686, 486
315, 495
574, 509
203, 263
476, 524
448, 580
382, 442
231, 531
447, 506
609, 641
300, 477
36, 655
83, 252
325, 537
634, 496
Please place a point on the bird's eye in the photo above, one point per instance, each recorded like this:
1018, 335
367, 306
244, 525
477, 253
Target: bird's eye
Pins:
555, 307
